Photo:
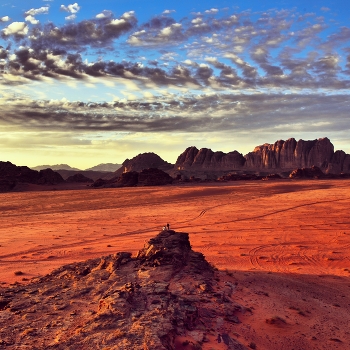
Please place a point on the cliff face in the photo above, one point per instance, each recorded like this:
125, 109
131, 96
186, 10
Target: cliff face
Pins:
291, 154
206, 159
281, 155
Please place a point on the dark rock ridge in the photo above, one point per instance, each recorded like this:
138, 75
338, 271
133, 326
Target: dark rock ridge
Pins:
307, 173
79, 178
282, 155
122, 302
146, 177
12, 175
143, 161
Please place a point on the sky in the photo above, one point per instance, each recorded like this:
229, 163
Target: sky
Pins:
92, 82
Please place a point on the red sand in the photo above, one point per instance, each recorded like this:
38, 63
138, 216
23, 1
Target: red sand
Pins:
287, 244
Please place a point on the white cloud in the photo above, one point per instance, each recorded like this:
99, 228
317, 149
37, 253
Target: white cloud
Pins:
41, 10
212, 11
117, 22
71, 17
73, 8
19, 28
166, 12
104, 14
325, 9
31, 19
4, 19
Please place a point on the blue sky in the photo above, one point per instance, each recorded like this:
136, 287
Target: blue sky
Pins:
89, 82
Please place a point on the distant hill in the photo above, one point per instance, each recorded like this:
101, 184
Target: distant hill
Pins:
94, 175
55, 167
110, 167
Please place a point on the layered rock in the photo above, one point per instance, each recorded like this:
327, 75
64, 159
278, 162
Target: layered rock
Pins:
166, 297
143, 161
206, 159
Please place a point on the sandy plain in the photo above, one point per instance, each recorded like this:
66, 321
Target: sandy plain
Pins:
286, 243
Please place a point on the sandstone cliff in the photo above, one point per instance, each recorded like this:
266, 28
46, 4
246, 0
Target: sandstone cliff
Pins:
292, 154
206, 159
166, 297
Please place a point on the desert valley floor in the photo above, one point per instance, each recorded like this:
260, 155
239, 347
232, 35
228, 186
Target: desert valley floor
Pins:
286, 243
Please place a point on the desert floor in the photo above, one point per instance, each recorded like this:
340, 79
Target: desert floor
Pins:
286, 242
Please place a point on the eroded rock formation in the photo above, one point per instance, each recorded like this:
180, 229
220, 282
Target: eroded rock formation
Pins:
166, 296
293, 154
206, 159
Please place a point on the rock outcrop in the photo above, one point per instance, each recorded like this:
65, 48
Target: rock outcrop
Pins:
307, 173
79, 178
143, 161
146, 177
292, 154
206, 159
166, 297
12, 175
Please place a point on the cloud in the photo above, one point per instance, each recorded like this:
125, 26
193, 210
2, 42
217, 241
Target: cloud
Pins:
39, 11
212, 11
200, 113
325, 9
73, 8
167, 12
16, 28
31, 19
4, 19
71, 17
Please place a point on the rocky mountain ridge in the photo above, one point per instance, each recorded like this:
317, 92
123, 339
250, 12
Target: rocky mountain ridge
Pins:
167, 297
282, 156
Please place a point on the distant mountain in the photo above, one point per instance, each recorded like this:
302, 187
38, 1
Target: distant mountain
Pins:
55, 167
110, 167
144, 161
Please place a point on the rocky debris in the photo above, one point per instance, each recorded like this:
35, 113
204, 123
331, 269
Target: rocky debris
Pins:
143, 161
78, 178
166, 297
307, 173
12, 174
146, 177
205, 158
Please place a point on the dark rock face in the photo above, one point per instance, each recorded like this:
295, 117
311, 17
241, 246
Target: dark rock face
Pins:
49, 177
154, 177
128, 179
22, 174
120, 302
206, 159
143, 161
78, 178
307, 173
147, 177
